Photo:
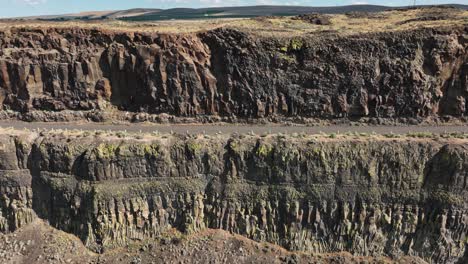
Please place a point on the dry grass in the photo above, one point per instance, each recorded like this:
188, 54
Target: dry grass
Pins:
353, 24
349, 24
145, 137
172, 26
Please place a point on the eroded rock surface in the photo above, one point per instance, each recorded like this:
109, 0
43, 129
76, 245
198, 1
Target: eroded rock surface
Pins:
228, 73
370, 197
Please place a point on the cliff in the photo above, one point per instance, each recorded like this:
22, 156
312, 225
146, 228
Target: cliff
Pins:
230, 74
368, 195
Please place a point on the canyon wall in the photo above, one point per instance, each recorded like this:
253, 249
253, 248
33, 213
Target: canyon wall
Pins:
226, 73
369, 196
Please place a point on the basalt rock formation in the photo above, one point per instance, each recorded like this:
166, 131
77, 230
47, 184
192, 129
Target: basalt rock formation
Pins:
227, 73
378, 197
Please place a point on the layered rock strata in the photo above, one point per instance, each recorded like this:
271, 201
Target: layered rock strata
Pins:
368, 196
416, 74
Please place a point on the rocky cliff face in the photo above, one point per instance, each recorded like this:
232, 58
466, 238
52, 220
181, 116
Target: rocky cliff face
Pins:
227, 73
384, 197
15, 186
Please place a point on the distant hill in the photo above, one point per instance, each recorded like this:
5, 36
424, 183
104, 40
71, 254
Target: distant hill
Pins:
147, 14
251, 11
96, 15
132, 12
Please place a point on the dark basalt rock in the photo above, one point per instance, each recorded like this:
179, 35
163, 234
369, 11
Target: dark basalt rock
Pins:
375, 197
410, 74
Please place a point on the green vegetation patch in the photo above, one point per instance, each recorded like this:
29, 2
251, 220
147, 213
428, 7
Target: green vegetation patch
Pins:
106, 150
139, 150
264, 150
296, 45
194, 147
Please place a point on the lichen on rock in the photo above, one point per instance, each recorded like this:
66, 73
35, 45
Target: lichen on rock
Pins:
369, 196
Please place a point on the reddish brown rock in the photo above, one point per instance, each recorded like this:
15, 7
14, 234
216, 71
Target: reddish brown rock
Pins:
412, 74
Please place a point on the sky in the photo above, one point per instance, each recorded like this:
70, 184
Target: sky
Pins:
15, 8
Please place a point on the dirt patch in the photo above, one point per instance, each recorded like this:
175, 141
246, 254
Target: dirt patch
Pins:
433, 14
265, 18
39, 243
426, 18
367, 15
316, 19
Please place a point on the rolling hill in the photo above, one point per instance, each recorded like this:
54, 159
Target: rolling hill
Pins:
148, 14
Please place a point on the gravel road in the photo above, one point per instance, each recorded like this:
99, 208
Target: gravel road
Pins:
230, 128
